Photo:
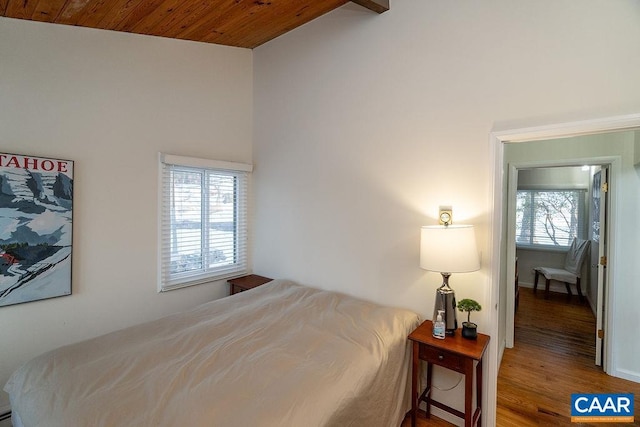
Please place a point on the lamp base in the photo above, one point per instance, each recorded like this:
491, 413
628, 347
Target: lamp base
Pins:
446, 301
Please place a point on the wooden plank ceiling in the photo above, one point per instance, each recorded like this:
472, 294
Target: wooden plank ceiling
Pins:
242, 23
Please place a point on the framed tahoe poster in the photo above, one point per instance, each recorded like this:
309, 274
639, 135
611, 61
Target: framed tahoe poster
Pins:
36, 216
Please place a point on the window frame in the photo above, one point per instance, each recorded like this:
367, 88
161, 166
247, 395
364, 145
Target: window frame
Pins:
582, 194
167, 280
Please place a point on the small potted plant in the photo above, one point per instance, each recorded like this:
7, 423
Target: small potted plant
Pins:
469, 330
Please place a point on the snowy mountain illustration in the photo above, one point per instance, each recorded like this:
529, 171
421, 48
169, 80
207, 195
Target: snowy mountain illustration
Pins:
35, 234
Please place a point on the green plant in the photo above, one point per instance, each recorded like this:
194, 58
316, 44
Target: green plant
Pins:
469, 305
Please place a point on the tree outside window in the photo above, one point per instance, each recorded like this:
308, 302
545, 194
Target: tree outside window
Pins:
549, 217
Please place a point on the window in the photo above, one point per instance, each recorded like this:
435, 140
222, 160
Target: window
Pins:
549, 217
203, 224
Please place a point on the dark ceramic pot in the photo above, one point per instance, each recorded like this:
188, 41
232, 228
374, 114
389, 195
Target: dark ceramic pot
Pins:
469, 330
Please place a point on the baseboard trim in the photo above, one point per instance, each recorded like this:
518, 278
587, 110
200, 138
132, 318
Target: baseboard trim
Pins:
626, 375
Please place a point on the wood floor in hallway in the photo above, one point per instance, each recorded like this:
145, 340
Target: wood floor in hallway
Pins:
553, 357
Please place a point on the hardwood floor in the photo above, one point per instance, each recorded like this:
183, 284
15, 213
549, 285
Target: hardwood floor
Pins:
422, 421
553, 357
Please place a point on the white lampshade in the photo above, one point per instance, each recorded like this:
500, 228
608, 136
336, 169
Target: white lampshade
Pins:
449, 249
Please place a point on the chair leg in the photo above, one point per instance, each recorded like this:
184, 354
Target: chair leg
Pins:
566, 285
579, 290
535, 282
546, 288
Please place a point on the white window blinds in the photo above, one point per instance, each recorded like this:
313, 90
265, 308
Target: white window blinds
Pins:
203, 220
549, 217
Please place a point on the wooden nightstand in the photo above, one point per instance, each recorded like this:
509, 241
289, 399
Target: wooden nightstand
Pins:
455, 353
244, 283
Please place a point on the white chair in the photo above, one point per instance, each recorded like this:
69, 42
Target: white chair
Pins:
570, 274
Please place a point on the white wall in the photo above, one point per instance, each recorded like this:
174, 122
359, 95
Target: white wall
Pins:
559, 178
365, 124
110, 102
636, 150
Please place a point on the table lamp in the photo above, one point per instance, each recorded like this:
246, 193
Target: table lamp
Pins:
448, 249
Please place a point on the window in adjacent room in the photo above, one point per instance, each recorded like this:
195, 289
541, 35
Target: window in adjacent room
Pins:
549, 217
203, 220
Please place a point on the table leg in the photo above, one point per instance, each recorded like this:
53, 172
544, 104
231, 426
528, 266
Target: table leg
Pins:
429, 394
479, 390
468, 392
414, 384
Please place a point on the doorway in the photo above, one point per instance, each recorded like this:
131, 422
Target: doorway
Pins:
500, 304
604, 148
548, 205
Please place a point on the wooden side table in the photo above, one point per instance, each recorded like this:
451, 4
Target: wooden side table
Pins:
244, 283
455, 353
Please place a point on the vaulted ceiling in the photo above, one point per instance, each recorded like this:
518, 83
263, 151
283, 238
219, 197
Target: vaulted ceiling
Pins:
242, 23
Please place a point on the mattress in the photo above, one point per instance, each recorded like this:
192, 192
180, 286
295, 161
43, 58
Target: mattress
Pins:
281, 354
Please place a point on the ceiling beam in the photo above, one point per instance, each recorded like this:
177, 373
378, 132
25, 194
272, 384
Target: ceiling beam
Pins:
375, 5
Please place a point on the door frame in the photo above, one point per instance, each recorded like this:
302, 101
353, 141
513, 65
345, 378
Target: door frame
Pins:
497, 139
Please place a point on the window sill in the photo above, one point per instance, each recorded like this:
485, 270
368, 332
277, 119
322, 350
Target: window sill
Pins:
185, 283
556, 249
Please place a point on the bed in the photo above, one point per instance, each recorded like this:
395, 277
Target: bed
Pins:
281, 354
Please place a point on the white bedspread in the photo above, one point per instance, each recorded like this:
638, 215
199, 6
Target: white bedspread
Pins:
279, 355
